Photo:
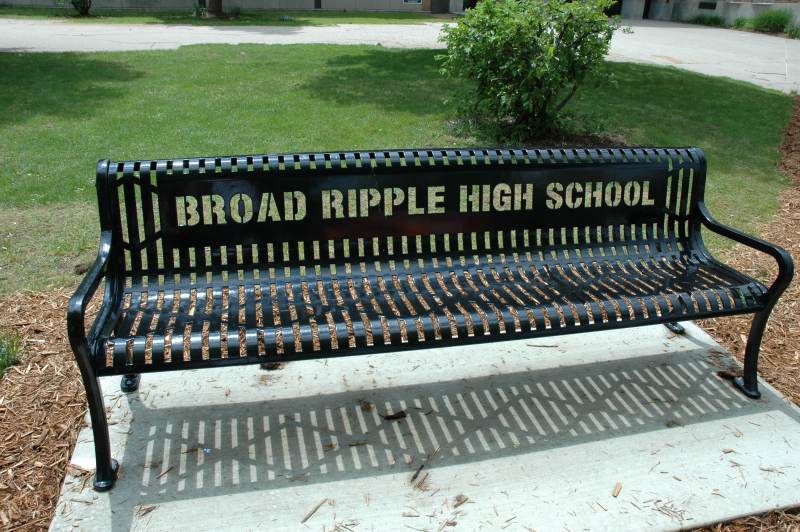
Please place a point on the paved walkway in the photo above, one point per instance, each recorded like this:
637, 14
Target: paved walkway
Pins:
607, 430
765, 60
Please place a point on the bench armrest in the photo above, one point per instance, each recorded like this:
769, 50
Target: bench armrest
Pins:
781, 256
76, 309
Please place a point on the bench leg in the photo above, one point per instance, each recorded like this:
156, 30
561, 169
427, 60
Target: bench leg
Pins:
130, 382
748, 382
675, 327
106, 473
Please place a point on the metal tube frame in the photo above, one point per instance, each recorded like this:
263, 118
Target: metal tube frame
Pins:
84, 344
748, 382
81, 345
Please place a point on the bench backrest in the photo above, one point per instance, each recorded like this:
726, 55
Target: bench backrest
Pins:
185, 220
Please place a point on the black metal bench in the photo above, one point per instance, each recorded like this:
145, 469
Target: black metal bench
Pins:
242, 260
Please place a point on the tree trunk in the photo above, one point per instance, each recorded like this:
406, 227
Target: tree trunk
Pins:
215, 7
82, 7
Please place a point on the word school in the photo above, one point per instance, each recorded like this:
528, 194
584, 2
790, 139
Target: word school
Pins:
211, 209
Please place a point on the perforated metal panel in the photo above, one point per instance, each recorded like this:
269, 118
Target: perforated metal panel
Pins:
257, 258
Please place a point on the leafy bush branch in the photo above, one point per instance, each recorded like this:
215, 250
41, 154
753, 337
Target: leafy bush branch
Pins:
526, 59
9, 351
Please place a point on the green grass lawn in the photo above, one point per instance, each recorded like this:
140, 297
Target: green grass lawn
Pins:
272, 17
64, 111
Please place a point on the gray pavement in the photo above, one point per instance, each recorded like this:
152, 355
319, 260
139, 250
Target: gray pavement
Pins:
601, 431
768, 61
765, 60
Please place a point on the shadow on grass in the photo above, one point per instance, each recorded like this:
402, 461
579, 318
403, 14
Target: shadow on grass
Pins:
59, 85
393, 80
409, 81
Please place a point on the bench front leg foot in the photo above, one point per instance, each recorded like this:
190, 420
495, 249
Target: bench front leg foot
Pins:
748, 382
104, 480
675, 327
106, 472
750, 391
130, 382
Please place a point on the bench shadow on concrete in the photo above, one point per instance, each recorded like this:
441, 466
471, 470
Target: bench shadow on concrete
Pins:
193, 452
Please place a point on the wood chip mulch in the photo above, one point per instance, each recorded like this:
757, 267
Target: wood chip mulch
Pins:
42, 402
42, 407
779, 362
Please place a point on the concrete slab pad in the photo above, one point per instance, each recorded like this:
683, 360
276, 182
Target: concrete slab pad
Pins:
620, 430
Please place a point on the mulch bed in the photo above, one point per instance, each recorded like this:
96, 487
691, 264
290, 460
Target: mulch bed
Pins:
42, 403
42, 407
779, 363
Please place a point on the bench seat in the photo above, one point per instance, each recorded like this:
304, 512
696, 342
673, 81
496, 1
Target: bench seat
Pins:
197, 325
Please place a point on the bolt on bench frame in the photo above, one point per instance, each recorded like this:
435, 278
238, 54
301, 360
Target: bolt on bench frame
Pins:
223, 261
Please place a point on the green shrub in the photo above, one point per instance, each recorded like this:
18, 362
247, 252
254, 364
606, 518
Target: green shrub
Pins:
793, 32
525, 59
742, 23
772, 21
708, 20
9, 352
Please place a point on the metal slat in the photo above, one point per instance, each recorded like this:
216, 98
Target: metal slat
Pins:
623, 265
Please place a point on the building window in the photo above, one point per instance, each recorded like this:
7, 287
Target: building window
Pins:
708, 5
